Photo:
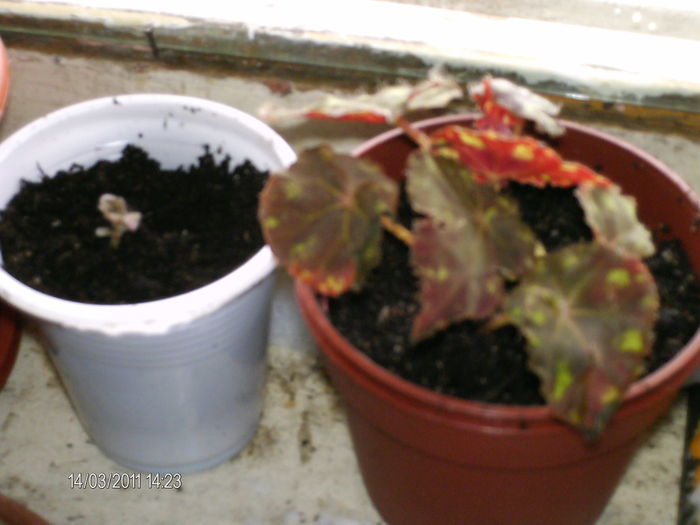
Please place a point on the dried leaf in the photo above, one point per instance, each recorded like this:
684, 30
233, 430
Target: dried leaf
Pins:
115, 210
386, 105
436, 92
588, 315
613, 218
322, 218
471, 241
495, 157
505, 105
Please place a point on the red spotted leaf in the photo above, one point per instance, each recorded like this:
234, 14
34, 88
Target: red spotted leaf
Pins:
495, 157
613, 219
322, 218
472, 239
588, 315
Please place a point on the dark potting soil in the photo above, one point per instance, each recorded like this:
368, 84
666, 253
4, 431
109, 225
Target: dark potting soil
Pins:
198, 224
468, 361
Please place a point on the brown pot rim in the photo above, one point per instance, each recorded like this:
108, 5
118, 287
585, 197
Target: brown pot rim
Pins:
674, 371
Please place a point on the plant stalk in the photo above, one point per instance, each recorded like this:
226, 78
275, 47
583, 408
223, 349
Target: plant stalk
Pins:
421, 139
397, 230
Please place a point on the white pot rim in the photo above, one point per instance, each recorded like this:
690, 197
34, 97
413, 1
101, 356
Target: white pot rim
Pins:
154, 317
141, 318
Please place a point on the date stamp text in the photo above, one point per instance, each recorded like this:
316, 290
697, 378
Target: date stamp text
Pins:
124, 480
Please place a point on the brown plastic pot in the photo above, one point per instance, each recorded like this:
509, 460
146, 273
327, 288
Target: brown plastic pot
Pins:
4, 78
9, 341
9, 328
13, 513
428, 458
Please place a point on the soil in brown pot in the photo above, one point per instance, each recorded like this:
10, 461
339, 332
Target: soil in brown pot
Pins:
198, 224
466, 360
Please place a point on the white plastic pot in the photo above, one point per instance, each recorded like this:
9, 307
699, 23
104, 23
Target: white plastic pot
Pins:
173, 385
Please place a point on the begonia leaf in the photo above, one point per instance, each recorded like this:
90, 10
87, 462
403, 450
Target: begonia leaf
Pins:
588, 315
613, 219
384, 106
322, 218
458, 277
471, 240
506, 105
496, 157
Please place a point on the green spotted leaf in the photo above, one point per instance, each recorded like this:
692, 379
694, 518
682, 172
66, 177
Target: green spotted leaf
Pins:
588, 314
471, 239
322, 218
458, 279
613, 218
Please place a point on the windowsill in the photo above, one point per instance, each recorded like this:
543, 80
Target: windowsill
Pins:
362, 39
276, 479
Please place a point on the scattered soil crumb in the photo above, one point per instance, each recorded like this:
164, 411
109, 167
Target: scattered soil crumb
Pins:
306, 445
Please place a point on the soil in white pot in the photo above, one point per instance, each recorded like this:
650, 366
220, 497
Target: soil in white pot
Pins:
198, 224
466, 360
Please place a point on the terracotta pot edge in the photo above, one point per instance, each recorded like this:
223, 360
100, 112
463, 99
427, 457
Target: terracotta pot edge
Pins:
17, 514
10, 334
4, 77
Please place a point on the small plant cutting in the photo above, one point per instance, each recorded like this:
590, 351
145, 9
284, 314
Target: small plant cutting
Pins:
587, 310
121, 219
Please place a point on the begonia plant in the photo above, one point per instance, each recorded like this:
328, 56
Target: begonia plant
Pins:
587, 311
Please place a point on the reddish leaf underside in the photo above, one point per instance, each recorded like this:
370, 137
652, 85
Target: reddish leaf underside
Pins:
471, 240
588, 315
322, 218
371, 118
495, 157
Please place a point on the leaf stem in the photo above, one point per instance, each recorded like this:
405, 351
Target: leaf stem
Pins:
398, 230
421, 139
498, 320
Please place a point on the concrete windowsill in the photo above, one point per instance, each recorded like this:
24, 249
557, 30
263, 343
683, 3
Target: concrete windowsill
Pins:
574, 51
300, 467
